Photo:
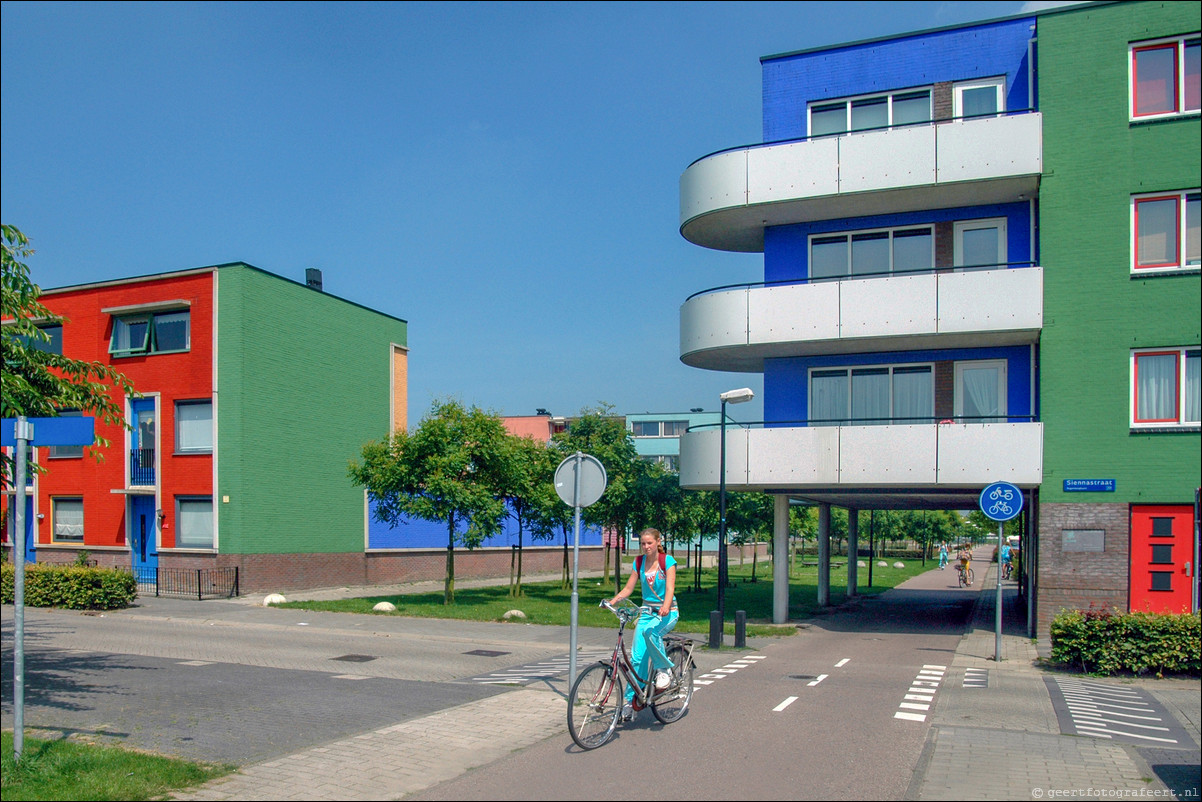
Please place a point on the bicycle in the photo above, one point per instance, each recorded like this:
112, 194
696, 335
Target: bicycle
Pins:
596, 699
964, 577
1007, 570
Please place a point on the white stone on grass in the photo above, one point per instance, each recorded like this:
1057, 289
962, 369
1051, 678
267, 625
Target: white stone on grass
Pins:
273, 598
882, 564
861, 564
899, 565
513, 614
385, 607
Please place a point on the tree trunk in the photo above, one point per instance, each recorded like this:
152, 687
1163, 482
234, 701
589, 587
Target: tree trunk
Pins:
517, 591
605, 560
448, 588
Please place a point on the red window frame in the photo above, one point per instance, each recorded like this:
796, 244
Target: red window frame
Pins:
1177, 261
1135, 51
1176, 388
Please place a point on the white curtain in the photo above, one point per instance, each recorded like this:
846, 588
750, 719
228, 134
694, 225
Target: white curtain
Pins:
828, 397
1192, 412
981, 397
68, 519
195, 524
1157, 391
870, 396
194, 422
913, 395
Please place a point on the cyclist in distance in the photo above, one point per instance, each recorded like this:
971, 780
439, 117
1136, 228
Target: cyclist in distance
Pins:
656, 572
942, 556
1006, 564
965, 556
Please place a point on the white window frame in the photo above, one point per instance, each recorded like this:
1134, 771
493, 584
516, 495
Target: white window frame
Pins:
657, 424
1182, 262
1180, 421
848, 101
958, 229
1003, 384
54, 522
212, 542
892, 401
892, 232
999, 84
193, 402
1179, 43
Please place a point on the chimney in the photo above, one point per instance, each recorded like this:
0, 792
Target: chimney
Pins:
313, 278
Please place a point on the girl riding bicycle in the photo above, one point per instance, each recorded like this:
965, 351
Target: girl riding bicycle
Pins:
657, 571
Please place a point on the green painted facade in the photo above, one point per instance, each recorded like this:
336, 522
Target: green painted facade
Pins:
303, 381
1095, 312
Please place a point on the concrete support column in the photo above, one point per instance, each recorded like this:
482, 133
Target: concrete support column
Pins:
780, 559
853, 546
824, 555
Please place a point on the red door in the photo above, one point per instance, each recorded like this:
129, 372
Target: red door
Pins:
1162, 546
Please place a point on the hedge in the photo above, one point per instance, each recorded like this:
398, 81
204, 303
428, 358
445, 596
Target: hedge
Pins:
70, 586
1105, 642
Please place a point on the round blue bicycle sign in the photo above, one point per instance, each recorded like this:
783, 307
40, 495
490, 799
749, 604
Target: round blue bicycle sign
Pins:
1001, 501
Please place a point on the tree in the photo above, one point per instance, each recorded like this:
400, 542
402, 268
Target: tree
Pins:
37, 382
749, 517
450, 469
529, 487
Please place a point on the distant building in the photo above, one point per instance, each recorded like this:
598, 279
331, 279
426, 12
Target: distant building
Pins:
255, 392
657, 435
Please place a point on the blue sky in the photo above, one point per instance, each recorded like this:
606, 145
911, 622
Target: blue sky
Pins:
503, 176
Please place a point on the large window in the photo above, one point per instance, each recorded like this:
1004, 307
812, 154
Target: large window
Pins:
658, 428
150, 333
1165, 231
1164, 78
194, 522
67, 516
1165, 387
872, 395
867, 253
864, 113
52, 342
193, 426
984, 98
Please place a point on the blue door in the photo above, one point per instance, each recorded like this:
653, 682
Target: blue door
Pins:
143, 543
142, 439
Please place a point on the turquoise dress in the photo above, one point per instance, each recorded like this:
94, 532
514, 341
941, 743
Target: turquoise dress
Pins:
647, 651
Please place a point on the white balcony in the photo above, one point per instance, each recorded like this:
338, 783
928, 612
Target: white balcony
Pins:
729, 198
737, 329
949, 461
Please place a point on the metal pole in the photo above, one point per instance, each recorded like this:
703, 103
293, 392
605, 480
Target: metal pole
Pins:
722, 530
23, 431
575, 574
997, 642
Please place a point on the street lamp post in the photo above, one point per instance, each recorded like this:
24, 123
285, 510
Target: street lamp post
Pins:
729, 397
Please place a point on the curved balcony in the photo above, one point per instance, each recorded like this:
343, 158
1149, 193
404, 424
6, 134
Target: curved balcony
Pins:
727, 199
944, 461
737, 328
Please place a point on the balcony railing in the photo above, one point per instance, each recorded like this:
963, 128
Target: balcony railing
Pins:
728, 198
141, 467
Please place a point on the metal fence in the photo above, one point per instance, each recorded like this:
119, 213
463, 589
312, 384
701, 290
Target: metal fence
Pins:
198, 583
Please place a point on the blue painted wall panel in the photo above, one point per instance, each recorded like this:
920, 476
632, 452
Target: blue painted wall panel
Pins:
924, 59
786, 251
786, 381
418, 534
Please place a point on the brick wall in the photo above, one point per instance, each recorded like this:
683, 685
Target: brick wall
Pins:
1079, 579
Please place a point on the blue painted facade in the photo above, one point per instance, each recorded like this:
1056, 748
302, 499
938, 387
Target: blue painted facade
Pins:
786, 248
790, 81
419, 534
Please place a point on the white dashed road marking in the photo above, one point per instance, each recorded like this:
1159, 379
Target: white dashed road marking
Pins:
921, 693
784, 704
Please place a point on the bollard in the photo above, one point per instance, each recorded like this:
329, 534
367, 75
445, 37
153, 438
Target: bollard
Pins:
740, 629
715, 629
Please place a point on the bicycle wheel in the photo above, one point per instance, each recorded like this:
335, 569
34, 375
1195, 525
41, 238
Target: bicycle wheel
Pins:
670, 704
594, 705
970, 576
960, 577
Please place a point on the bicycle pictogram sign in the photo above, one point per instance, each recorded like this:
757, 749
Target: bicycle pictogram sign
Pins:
1001, 501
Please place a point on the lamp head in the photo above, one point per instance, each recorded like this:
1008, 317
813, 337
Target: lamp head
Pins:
737, 396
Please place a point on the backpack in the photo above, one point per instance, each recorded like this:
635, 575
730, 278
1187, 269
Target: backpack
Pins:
663, 564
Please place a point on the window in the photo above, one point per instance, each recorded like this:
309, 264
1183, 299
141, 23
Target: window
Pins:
645, 428
869, 253
67, 514
979, 243
1162, 554
155, 333
1165, 232
52, 342
866, 113
194, 522
874, 395
675, 428
979, 98
194, 426
1162, 527
61, 452
1162, 580
980, 391
1164, 78
1165, 387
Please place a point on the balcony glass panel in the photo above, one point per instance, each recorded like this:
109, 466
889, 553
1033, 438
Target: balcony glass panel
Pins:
912, 251
826, 120
912, 108
872, 113
870, 253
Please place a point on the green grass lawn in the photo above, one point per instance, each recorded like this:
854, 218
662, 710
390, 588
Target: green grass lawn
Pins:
550, 603
61, 769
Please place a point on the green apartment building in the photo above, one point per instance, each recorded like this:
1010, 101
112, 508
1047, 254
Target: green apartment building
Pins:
1118, 87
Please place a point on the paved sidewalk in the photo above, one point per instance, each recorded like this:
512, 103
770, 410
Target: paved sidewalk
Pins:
1003, 741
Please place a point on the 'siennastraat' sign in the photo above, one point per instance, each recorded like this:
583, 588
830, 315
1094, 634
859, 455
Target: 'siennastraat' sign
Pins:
1088, 485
